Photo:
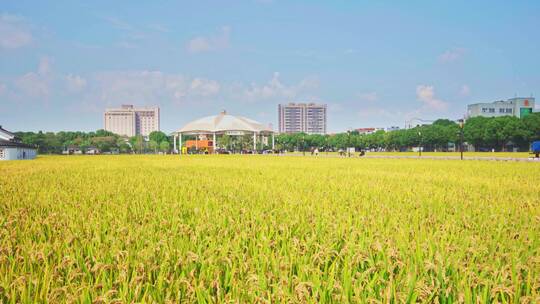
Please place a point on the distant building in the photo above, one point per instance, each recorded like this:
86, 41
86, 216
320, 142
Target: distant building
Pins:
12, 148
309, 118
368, 130
71, 150
392, 128
92, 150
131, 121
518, 107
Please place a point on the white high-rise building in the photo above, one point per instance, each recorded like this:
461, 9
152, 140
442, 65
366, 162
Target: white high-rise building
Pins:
131, 121
518, 106
309, 118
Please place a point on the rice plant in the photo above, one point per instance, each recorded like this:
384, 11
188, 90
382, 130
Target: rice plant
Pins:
268, 229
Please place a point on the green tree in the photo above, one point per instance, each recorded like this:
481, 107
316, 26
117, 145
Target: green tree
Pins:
137, 143
531, 123
124, 147
153, 145
473, 131
158, 136
164, 146
225, 142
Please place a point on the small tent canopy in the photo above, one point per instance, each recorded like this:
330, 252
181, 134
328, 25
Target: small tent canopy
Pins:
223, 123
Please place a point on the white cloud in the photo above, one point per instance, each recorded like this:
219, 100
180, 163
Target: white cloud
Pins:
211, 43
14, 32
44, 66
36, 84
377, 112
33, 84
75, 83
451, 55
426, 94
126, 45
205, 87
118, 23
159, 28
130, 35
276, 90
369, 96
198, 45
465, 90
150, 87
96, 91
335, 107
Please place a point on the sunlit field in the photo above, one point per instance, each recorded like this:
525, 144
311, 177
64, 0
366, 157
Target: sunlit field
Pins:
276, 229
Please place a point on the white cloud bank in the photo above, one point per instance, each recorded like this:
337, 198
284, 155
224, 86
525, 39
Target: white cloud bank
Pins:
202, 44
369, 96
426, 94
36, 84
465, 90
14, 32
451, 55
75, 83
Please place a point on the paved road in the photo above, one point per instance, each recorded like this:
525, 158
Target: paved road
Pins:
489, 158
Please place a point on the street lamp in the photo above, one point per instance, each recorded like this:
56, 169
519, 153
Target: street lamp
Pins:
461, 137
326, 143
348, 143
304, 144
420, 145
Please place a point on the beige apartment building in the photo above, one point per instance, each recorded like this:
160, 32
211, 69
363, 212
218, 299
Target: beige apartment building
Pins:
309, 118
130, 121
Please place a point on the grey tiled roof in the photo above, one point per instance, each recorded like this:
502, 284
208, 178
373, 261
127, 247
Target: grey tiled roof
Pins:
7, 143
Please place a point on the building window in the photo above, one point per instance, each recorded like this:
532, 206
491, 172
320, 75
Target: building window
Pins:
508, 110
491, 110
2, 154
484, 110
501, 110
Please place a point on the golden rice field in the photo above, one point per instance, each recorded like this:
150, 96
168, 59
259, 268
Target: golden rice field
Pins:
268, 229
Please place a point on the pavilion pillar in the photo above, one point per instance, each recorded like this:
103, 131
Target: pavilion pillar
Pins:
273, 142
179, 143
214, 142
254, 142
174, 143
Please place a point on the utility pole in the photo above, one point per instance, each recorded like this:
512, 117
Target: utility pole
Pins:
303, 144
348, 143
461, 124
420, 145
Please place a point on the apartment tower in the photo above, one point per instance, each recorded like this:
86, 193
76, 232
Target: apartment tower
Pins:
309, 118
130, 121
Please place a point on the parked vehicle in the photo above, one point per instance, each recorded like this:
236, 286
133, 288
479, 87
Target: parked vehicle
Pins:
535, 148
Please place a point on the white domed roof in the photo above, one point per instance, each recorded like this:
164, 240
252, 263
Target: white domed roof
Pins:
223, 122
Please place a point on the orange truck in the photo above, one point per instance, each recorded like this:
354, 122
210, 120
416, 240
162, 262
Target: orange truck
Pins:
201, 145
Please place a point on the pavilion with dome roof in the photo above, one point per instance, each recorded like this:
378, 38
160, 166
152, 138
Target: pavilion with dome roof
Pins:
222, 124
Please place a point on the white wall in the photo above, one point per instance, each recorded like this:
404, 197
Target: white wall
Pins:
14, 153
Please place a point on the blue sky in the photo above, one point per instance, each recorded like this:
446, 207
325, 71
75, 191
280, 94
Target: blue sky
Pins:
375, 63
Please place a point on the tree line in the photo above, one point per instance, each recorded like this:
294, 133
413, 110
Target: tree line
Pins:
498, 133
485, 134
105, 141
